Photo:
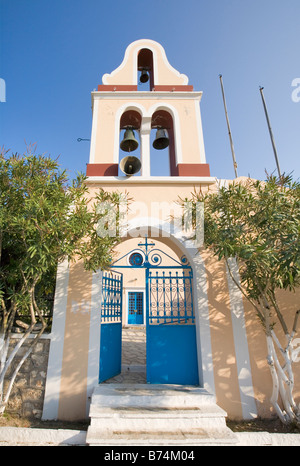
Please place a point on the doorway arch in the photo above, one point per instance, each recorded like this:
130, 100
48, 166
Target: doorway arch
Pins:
161, 230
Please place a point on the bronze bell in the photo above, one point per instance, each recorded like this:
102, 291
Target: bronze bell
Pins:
144, 76
130, 165
129, 142
161, 139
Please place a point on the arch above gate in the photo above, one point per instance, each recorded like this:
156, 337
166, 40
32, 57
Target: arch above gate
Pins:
161, 230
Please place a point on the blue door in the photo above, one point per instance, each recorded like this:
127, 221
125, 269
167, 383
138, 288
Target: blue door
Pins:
135, 307
111, 325
171, 343
170, 327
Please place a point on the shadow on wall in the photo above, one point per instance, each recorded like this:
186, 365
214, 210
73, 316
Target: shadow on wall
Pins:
223, 349
76, 345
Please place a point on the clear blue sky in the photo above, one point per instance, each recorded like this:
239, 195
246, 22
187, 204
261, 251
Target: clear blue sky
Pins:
54, 53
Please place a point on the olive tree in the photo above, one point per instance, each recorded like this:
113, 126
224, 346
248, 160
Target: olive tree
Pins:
257, 225
44, 219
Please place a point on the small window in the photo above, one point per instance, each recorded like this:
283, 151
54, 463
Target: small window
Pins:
136, 259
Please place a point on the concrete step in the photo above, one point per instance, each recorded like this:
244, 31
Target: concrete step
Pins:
197, 437
142, 414
146, 395
151, 426
161, 413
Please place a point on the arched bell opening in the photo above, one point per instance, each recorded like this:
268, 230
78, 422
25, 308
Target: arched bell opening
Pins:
129, 153
163, 161
145, 70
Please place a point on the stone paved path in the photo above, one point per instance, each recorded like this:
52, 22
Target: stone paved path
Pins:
134, 346
133, 356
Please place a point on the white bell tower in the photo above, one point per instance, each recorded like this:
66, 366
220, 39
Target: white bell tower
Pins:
170, 107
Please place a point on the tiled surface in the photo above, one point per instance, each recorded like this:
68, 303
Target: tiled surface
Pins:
134, 346
133, 356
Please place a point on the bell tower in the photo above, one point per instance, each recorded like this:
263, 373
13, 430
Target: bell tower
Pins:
125, 116
150, 318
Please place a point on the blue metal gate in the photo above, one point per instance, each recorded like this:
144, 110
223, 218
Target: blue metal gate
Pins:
170, 319
111, 325
171, 331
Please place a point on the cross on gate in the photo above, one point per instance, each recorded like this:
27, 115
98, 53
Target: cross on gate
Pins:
146, 244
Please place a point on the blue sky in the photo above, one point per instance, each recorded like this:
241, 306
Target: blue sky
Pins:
54, 52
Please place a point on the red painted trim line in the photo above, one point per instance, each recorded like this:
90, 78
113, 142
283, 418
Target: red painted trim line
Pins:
117, 87
102, 169
193, 169
174, 88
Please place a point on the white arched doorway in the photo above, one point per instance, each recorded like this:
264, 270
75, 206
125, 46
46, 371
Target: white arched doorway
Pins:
167, 334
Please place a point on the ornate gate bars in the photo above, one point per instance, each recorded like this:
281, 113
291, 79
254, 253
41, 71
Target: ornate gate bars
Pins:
112, 285
170, 296
111, 325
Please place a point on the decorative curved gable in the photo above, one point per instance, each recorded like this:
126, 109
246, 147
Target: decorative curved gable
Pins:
127, 73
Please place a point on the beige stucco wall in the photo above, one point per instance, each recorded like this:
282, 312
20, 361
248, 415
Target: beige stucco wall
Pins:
152, 198
186, 121
223, 348
73, 383
288, 303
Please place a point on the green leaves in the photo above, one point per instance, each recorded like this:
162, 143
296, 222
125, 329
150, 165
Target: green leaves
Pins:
43, 219
258, 223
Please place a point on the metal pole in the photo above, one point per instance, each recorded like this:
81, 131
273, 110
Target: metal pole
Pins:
229, 131
270, 131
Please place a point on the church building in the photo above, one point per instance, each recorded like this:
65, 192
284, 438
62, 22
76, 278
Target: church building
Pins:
167, 313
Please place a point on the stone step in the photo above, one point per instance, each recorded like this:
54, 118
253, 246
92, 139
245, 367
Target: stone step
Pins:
143, 414
151, 425
161, 438
150, 396
207, 411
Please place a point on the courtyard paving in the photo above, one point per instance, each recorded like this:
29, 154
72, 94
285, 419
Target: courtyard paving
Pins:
133, 356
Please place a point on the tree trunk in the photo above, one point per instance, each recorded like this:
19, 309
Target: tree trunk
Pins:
282, 374
283, 380
4, 398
